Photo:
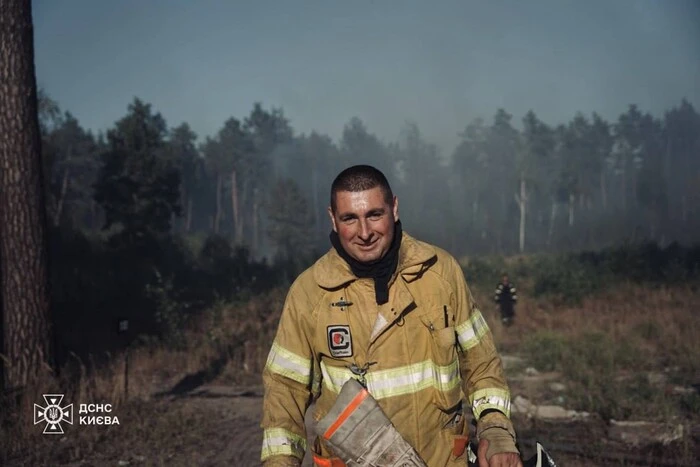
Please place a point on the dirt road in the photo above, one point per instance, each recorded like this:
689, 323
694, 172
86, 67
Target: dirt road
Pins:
226, 432
219, 425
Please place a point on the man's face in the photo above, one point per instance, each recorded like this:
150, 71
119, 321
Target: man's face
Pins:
364, 223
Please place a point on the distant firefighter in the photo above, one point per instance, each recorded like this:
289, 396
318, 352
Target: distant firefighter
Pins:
506, 296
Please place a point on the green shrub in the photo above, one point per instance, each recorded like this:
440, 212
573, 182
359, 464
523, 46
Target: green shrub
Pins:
571, 277
566, 278
484, 271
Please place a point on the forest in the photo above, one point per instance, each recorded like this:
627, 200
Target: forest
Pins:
510, 186
152, 223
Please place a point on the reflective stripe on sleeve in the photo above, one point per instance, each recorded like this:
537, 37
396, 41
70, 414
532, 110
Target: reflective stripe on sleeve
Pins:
490, 398
281, 442
289, 364
398, 381
470, 332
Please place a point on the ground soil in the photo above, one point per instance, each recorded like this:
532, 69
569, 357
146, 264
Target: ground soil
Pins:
218, 425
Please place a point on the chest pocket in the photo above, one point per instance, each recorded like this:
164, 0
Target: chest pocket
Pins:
439, 322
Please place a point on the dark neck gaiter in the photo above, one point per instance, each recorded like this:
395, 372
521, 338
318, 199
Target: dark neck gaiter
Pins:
380, 270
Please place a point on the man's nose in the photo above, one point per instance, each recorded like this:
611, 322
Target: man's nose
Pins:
365, 232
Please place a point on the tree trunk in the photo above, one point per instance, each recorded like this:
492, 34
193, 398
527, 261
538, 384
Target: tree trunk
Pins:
183, 202
522, 203
235, 207
667, 178
256, 224
188, 215
633, 188
552, 220
603, 191
572, 205
24, 285
624, 184
61, 199
217, 214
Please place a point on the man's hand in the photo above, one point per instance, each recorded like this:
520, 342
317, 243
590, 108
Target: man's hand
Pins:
504, 459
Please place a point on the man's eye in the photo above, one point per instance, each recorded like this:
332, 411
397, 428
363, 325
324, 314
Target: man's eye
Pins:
375, 216
348, 220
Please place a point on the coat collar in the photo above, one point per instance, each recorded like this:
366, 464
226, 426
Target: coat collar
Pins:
331, 271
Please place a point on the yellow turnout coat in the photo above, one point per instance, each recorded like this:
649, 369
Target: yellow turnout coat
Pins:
420, 354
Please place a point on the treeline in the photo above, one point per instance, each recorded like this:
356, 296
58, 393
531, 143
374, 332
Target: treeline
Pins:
585, 184
153, 224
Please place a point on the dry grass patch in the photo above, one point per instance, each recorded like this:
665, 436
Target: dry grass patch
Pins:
629, 352
228, 343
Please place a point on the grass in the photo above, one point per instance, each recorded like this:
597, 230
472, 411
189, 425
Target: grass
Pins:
625, 353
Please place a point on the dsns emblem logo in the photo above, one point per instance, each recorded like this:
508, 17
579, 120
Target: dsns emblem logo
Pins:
53, 414
339, 341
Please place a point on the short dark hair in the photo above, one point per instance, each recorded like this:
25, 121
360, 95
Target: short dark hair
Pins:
361, 178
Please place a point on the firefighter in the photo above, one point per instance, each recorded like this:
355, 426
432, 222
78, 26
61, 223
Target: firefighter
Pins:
506, 296
395, 314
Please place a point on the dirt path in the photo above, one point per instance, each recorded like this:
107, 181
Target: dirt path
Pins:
219, 425
240, 410
226, 432
237, 435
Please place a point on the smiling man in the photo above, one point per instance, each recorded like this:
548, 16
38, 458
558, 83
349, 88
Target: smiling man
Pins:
396, 315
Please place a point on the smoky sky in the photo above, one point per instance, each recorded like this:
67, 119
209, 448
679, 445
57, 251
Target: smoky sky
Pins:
439, 64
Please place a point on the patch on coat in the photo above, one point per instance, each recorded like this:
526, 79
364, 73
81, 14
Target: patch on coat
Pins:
339, 341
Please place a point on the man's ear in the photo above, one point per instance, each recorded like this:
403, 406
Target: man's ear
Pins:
395, 208
330, 214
